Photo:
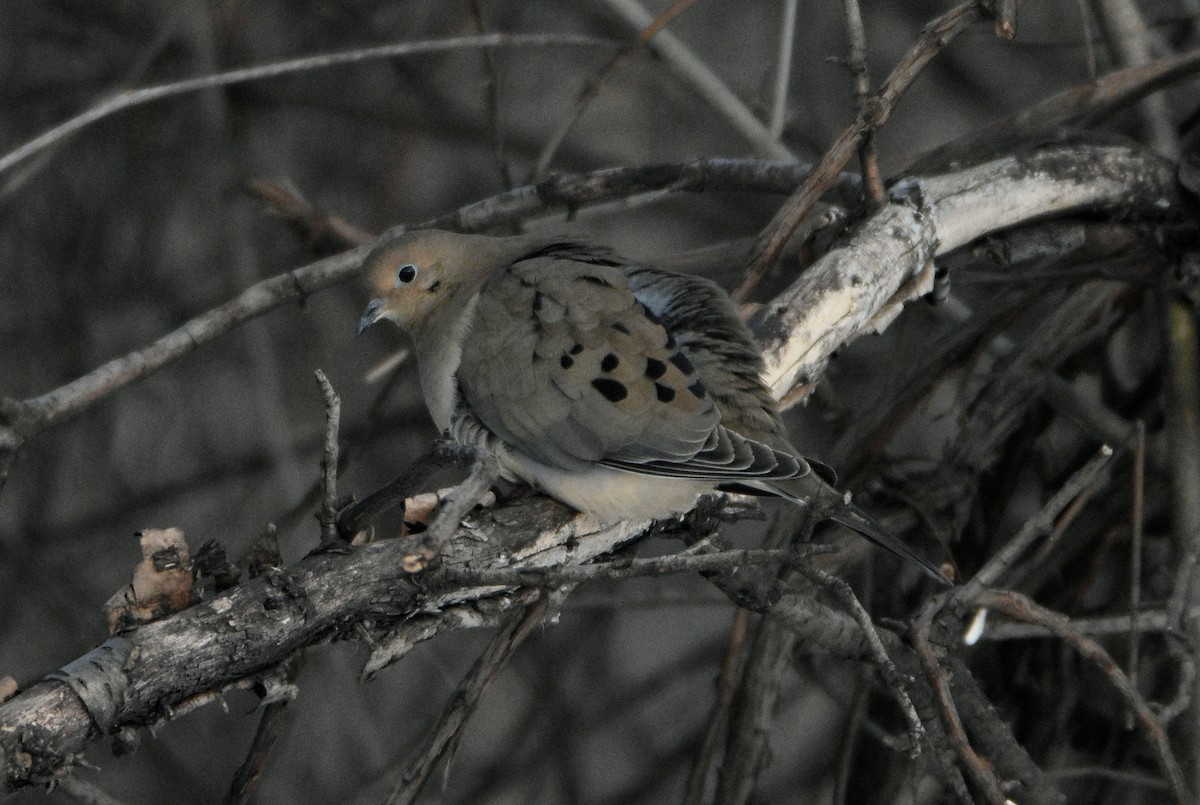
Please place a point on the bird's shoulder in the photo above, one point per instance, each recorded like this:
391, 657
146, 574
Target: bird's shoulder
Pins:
563, 361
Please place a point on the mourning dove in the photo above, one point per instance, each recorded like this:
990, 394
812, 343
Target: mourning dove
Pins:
622, 390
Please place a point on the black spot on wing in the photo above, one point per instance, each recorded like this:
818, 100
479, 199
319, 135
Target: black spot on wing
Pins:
655, 368
682, 363
575, 350
698, 390
566, 361
611, 389
620, 328
665, 393
609, 363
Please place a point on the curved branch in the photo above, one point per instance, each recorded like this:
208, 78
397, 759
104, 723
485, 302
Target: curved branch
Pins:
863, 284
322, 61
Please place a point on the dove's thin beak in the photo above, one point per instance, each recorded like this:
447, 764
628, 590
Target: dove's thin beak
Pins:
370, 315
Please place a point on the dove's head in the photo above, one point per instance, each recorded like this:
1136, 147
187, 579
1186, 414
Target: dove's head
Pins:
418, 277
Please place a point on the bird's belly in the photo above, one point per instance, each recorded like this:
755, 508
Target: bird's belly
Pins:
608, 494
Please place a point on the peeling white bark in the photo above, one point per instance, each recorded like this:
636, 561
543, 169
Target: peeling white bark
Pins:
887, 261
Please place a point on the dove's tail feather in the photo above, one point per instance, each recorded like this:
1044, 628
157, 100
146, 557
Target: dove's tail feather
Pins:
856, 519
805, 489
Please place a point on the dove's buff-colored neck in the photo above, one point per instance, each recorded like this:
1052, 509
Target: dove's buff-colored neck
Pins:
438, 342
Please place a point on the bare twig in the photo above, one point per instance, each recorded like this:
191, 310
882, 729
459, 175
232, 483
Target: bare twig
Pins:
979, 769
592, 88
1137, 520
492, 94
426, 547
328, 515
707, 756
877, 110
1018, 606
1093, 101
1158, 620
887, 669
317, 226
754, 709
703, 80
324, 61
571, 191
1183, 429
248, 776
1034, 527
295, 285
872, 179
783, 68
462, 704
270, 726
1085, 33
1129, 39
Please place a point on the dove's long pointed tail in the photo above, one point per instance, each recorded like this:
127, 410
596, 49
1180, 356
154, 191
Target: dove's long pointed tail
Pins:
856, 519
807, 488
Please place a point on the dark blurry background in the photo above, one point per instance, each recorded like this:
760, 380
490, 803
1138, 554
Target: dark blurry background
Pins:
141, 221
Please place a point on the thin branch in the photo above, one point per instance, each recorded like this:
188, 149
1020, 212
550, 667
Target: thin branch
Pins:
1137, 521
856, 32
684, 63
137, 97
293, 286
1035, 527
592, 88
707, 757
328, 515
491, 90
1095, 101
783, 68
933, 39
1183, 428
320, 229
463, 702
747, 742
571, 191
1158, 620
1129, 39
484, 472
270, 726
1018, 606
981, 772
887, 669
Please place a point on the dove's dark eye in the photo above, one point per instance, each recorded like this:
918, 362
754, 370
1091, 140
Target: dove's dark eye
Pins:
406, 274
